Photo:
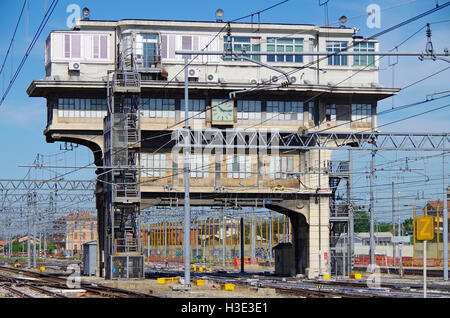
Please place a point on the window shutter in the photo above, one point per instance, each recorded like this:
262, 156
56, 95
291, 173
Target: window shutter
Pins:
172, 46
248, 166
67, 45
163, 165
230, 166
76, 46
164, 46
241, 167
95, 47
156, 164
195, 42
186, 42
277, 167
271, 167
205, 165
104, 47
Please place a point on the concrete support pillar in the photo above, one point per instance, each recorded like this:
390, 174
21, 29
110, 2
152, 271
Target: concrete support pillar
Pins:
319, 237
300, 242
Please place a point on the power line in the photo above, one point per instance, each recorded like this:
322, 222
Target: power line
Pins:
43, 23
13, 36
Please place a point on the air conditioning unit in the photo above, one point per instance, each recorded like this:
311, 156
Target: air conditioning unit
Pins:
292, 79
74, 66
212, 78
193, 72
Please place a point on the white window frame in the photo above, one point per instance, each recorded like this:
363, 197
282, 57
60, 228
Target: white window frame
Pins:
236, 40
196, 109
154, 165
199, 165
362, 113
311, 111
279, 165
282, 43
239, 166
337, 46
249, 109
330, 110
369, 59
282, 106
158, 107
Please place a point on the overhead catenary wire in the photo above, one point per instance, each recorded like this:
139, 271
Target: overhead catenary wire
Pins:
38, 32
13, 36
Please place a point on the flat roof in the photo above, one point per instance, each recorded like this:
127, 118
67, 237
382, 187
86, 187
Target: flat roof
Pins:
208, 24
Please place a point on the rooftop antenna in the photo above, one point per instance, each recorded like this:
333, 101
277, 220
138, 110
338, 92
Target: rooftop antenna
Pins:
342, 21
324, 3
219, 15
86, 13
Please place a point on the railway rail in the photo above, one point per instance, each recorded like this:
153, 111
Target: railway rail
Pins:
41, 281
299, 287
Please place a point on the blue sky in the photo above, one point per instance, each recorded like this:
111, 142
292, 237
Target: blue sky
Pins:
22, 119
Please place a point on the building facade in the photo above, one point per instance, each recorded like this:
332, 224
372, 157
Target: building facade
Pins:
337, 93
81, 228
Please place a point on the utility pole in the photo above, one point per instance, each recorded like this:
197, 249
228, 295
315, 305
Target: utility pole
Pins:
224, 237
241, 236
372, 172
350, 213
320, 227
252, 236
445, 214
34, 230
187, 207
393, 224
28, 230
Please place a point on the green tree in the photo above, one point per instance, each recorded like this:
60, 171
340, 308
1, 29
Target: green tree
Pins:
361, 221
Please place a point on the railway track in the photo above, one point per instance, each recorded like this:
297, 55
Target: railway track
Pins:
322, 288
40, 281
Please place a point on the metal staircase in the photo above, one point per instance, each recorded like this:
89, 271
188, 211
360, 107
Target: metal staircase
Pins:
338, 218
123, 254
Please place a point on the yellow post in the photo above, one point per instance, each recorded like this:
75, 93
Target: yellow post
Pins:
284, 229
218, 242
214, 233
271, 220
172, 233
261, 232
290, 230
237, 232
278, 236
209, 232
437, 232
231, 236
153, 235
202, 231
414, 233
168, 230
267, 233
179, 226
157, 234
251, 232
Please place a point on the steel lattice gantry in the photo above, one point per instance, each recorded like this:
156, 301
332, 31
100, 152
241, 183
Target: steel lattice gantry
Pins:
288, 140
47, 184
